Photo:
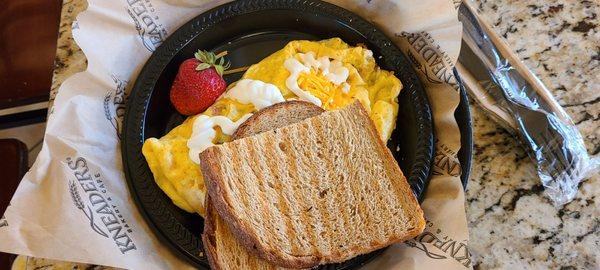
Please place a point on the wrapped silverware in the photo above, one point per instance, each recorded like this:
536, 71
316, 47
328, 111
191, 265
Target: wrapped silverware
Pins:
501, 84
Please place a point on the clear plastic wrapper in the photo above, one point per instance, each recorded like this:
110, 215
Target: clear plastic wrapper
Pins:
520, 102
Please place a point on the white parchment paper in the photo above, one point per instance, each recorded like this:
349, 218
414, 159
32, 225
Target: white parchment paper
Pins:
74, 204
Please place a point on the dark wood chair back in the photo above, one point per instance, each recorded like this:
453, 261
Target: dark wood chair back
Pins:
28, 35
14, 157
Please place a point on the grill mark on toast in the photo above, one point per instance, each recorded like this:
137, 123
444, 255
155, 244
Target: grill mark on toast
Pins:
399, 190
257, 169
400, 193
245, 196
394, 176
382, 194
285, 208
386, 197
226, 244
391, 197
350, 199
294, 175
348, 163
209, 233
325, 207
375, 191
367, 243
391, 180
235, 181
366, 220
317, 214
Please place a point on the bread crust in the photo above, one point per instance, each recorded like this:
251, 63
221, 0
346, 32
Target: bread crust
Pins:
245, 129
391, 163
207, 234
210, 171
212, 174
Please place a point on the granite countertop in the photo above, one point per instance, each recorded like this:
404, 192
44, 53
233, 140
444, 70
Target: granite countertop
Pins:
512, 225
69, 57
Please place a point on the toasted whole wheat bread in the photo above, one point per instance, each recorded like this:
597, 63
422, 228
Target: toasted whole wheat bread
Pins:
322, 190
223, 250
276, 116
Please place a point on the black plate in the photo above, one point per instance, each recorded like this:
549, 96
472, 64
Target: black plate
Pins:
463, 119
251, 30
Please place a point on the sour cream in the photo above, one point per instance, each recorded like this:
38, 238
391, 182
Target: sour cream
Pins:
259, 93
203, 133
333, 70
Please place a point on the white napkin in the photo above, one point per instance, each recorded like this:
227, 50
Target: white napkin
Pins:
74, 203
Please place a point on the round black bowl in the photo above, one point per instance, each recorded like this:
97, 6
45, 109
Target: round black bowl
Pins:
251, 30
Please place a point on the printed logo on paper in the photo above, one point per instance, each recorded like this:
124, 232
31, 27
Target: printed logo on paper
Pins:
445, 161
438, 246
114, 104
427, 57
147, 24
3, 222
90, 196
457, 3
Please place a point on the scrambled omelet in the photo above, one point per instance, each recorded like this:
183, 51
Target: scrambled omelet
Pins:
180, 178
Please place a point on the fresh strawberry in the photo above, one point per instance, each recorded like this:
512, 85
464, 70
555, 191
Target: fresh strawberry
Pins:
199, 82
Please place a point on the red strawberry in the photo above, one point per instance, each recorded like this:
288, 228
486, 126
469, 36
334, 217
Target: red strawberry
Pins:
199, 82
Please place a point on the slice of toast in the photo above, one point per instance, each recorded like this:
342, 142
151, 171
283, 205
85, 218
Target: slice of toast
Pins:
276, 116
223, 250
322, 190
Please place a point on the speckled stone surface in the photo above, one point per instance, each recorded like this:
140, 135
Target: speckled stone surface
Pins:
512, 225
69, 57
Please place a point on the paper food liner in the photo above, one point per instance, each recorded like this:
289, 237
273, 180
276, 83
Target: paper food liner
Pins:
74, 204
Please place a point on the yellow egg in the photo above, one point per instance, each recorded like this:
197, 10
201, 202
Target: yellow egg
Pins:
376, 89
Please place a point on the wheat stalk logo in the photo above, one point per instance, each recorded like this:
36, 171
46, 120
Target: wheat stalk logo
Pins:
81, 206
108, 113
